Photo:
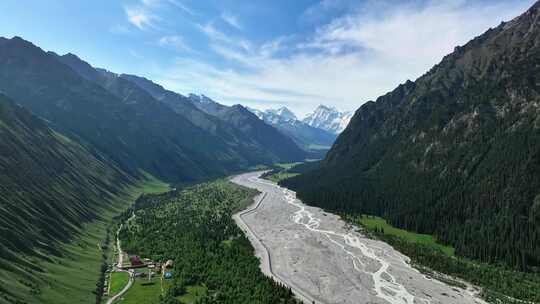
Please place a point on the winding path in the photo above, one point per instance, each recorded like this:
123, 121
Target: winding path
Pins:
120, 269
125, 289
323, 260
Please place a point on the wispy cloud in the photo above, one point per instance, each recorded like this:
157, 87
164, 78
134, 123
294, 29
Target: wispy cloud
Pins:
141, 17
348, 61
324, 8
231, 20
183, 7
218, 38
174, 41
146, 14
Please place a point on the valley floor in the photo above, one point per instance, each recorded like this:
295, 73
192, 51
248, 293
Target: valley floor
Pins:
323, 259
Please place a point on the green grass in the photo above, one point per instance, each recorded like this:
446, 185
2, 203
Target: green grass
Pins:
318, 147
287, 166
277, 177
373, 223
117, 282
73, 277
258, 167
144, 292
282, 173
193, 293
152, 185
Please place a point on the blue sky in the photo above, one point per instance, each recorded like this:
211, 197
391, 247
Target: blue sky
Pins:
264, 54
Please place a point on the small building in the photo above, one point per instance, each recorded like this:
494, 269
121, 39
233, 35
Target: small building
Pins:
168, 264
135, 261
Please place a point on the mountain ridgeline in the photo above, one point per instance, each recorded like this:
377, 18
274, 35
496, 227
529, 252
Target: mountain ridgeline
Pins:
113, 115
258, 142
455, 153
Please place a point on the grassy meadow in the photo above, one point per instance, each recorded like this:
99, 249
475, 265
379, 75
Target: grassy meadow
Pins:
375, 223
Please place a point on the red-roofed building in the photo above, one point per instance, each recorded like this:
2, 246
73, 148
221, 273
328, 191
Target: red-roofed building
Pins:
135, 261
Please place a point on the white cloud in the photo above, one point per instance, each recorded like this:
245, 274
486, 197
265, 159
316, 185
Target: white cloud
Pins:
348, 61
231, 20
218, 38
174, 41
145, 14
141, 17
183, 7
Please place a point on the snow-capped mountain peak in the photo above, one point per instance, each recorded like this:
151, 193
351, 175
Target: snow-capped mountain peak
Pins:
257, 112
329, 119
283, 113
200, 98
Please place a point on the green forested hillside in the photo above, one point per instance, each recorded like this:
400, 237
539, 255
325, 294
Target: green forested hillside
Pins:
135, 133
455, 154
194, 228
50, 187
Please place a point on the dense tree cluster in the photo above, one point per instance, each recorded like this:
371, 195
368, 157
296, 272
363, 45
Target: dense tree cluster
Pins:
194, 228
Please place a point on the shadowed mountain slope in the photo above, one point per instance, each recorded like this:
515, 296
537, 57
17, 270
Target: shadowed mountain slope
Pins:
136, 132
250, 135
49, 186
455, 154
250, 125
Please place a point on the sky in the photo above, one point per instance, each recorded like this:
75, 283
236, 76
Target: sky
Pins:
262, 54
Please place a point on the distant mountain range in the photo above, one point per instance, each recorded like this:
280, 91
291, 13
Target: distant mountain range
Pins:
317, 131
455, 154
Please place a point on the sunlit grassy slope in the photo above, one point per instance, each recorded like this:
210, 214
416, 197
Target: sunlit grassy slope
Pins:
380, 224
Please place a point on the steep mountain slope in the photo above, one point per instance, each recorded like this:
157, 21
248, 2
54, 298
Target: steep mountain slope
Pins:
135, 132
130, 89
304, 135
255, 146
250, 125
456, 153
328, 119
49, 187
